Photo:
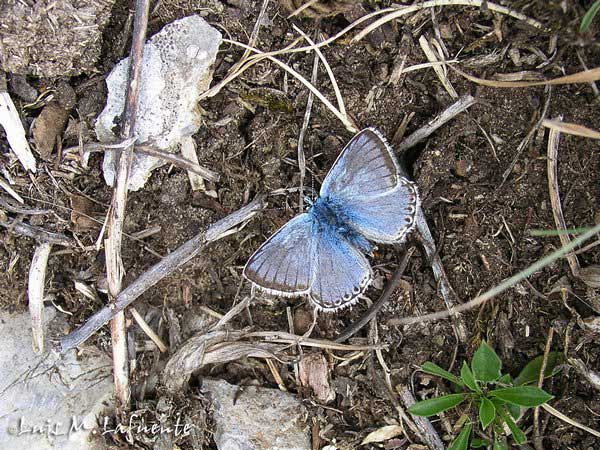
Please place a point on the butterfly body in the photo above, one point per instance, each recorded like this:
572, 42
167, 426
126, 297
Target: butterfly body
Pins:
321, 253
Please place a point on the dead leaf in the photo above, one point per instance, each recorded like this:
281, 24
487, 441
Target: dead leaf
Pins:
48, 127
314, 373
382, 434
83, 212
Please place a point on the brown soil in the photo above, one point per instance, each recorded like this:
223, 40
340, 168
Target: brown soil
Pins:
481, 225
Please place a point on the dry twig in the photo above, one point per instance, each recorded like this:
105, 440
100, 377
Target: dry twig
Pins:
382, 300
114, 264
35, 291
159, 271
559, 219
430, 127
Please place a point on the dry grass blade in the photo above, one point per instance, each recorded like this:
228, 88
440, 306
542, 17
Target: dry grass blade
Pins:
570, 421
438, 68
15, 133
246, 63
4, 185
586, 76
397, 13
506, 284
571, 128
559, 219
345, 120
149, 331
37, 279
336, 89
301, 8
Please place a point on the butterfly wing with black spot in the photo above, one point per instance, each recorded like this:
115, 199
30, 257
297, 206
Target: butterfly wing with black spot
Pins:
342, 272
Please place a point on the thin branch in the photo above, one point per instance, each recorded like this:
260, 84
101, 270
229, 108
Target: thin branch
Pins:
462, 104
114, 269
35, 291
382, 300
446, 290
37, 233
554, 192
506, 284
159, 271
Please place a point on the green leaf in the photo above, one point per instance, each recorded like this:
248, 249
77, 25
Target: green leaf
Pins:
531, 372
500, 444
436, 405
434, 369
486, 365
479, 443
467, 377
462, 441
497, 402
589, 16
517, 434
527, 396
487, 412
504, 379
514, 410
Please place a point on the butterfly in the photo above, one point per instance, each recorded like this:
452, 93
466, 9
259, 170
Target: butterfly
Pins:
321, 253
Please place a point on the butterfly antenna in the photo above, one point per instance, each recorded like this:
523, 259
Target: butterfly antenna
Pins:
312, 177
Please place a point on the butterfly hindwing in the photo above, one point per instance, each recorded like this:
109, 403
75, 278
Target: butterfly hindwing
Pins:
385, 218
342, 272
283, 265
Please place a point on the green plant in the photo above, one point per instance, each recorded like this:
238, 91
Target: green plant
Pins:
589, 16
497, 397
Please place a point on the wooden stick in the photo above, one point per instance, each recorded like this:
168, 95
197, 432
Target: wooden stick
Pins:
37, 278
462, 104
559, 218
114, 271
446, 290
426, 430
382, 300
37, 233
159, 271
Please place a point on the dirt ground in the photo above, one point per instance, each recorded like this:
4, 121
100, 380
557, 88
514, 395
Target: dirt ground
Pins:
249, 136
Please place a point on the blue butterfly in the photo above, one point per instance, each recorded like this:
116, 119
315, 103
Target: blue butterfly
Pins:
321, 253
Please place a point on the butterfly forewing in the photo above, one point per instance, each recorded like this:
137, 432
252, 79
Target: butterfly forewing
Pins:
284, 264
366, 167
342, 272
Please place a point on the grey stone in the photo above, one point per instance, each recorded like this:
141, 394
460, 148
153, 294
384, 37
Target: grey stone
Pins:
57, 394
176, 69
254, 418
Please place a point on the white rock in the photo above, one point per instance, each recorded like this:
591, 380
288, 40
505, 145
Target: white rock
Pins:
176, 69
50, 392
254, 418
